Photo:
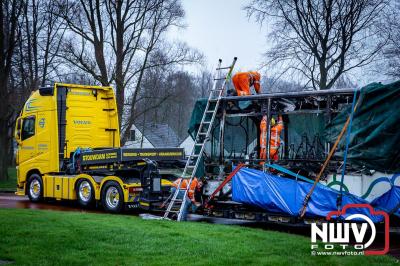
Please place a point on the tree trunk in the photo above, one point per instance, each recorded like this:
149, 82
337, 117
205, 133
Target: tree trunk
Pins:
4, 148
119, 73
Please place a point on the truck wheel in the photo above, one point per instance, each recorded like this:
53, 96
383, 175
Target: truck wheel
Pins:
112, 197
85, 193
35, 188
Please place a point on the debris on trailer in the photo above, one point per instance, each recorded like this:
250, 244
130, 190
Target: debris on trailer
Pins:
312, 122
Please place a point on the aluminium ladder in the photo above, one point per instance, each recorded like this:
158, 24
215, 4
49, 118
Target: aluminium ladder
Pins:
177, 205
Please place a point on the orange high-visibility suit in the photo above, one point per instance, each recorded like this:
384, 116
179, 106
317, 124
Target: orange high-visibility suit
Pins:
244, 80
275, 140
184, 186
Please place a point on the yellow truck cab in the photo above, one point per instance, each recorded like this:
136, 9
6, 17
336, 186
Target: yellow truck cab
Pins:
69, 148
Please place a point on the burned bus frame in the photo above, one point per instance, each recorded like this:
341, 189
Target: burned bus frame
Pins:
328, 103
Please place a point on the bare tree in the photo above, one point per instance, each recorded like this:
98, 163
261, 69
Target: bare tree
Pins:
321, 39
9, 13
204, 82
391, 26
168, 96
126, 37
39, 40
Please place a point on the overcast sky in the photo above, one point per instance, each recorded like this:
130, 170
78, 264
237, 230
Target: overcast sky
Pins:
220, 29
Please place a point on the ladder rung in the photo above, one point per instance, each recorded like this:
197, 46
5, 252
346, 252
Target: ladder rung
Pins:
213, 100
177, 200
173, 211
202, 133
199, 144
221, 68
210, 112
194, 155
219, 78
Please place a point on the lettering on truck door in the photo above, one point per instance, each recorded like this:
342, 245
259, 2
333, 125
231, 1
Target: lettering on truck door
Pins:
27, 147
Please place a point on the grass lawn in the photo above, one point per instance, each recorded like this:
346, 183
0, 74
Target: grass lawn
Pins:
71, 238
11, 183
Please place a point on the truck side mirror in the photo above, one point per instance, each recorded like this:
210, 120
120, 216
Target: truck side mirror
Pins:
18, 130
18, 137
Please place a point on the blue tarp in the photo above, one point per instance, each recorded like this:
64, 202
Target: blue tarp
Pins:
389, 201
285, 196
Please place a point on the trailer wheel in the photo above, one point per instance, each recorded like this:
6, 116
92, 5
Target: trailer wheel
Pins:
35, 188
112, 197
85, 193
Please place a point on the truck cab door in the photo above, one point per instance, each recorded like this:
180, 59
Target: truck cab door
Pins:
27, 135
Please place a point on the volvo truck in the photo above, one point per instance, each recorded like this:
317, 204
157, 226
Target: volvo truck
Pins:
69, 149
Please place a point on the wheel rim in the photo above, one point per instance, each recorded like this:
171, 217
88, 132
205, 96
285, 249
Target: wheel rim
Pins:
35, 188
85, 191
112, 197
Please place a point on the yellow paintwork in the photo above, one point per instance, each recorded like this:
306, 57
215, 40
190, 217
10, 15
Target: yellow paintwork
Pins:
63, 186
39, 151
90, 110
166, 183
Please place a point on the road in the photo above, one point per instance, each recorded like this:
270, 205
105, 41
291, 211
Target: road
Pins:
9, 200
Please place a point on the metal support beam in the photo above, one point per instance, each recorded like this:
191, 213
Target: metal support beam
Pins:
221, 137
296, 94
281, 113
269, 129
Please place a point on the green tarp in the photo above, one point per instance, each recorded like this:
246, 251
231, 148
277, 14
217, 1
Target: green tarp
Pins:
198, 112
375, 132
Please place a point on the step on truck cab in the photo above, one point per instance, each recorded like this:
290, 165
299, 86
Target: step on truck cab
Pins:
69, 148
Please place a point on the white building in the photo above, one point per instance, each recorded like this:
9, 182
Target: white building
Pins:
152, 136
137, 140
187, 145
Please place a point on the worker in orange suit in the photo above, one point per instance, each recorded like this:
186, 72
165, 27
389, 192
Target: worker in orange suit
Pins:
263, 138
190, 198
275, 140
244, 80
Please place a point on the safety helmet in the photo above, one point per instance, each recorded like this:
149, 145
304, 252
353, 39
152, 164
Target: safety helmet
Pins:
273, 122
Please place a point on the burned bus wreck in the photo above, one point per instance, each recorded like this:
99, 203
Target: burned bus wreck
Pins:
363, 169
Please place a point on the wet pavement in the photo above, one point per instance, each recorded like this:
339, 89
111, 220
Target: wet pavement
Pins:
9, 200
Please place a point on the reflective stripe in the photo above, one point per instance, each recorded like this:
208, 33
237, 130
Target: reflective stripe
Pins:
183, 184
251, 79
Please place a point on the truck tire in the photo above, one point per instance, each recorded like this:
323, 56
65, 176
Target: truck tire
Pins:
85, 193
35, 188
112, 197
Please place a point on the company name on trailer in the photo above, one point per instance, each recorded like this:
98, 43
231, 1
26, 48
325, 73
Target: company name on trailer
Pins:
99, 156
